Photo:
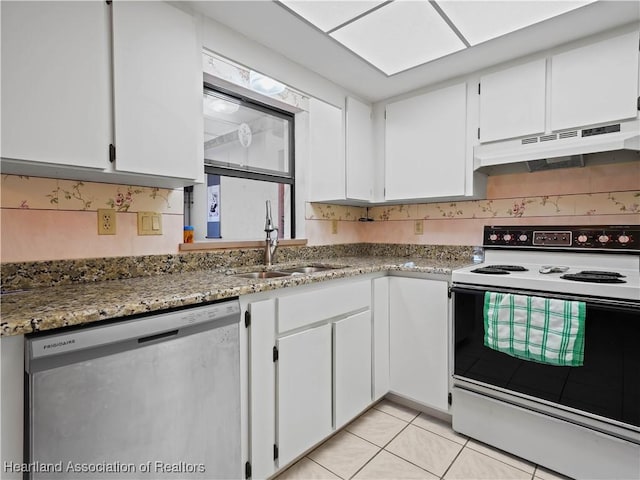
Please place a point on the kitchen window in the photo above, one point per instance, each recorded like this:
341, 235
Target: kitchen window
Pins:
249, 158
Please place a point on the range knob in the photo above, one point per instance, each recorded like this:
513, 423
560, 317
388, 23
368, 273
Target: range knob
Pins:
523, 238
624, 239
582, 238
604, 238
507, 237
493, 237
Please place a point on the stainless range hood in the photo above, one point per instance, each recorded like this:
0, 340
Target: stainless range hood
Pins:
559, 149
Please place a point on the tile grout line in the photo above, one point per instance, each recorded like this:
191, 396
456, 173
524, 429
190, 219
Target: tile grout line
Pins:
454, 460
380, 449
395, 416
366, 463
498, 460
411, 463
327, 469
398, 456
463, 445
441, 436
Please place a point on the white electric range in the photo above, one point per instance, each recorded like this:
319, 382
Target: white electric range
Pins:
581, 421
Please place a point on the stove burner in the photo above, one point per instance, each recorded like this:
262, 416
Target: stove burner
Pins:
490, 271
509, 268
601, 272
593, 277
499, 269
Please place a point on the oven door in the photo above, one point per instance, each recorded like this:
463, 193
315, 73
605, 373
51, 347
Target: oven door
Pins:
605, 390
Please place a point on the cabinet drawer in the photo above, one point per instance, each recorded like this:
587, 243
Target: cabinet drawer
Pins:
299, 310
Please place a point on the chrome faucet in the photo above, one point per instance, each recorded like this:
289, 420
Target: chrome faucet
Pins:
270, 244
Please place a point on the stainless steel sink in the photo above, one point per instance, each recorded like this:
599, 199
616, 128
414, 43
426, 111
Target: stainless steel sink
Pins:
270, 274
286, 272
307, 269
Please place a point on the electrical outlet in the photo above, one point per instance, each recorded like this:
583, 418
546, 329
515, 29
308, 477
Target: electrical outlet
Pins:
334, 227
106, 221
418, 227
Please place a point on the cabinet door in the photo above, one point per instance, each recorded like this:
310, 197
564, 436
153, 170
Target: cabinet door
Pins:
56, 92
512, 102
262, 402
425, 150
418, 340
380, 303
304, 391
351, 366
326, 152
595, 84
157, 74
359, 150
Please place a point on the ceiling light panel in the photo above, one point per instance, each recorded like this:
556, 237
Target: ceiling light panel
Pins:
399, 36
479, 21
327, 15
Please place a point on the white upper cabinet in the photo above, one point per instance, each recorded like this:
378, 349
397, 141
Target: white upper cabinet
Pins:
359, 150
326, 152
59, 100
56, 89
512, 102
595, 84
157, 91
341, 152
426, 145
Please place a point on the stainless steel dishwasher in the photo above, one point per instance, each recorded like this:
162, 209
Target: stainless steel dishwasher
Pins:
153, 397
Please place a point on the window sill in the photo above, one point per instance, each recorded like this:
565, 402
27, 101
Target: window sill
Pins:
229, 244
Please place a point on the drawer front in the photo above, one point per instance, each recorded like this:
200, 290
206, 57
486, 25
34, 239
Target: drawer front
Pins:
299, 310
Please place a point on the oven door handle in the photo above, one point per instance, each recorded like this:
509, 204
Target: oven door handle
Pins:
609, 303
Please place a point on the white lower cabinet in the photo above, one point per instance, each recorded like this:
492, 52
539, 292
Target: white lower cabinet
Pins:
380, 312
310, 368
418, 358
303, 391
319, 355
261, 387
351, 366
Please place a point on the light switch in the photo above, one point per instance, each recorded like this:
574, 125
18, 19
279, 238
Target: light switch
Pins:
149, 223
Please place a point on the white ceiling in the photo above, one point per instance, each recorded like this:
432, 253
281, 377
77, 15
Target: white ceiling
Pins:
289, 34
397, 35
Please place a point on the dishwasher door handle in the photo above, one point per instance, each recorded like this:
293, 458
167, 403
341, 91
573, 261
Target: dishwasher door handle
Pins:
159, 336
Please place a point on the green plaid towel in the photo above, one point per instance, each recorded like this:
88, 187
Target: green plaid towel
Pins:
533, 328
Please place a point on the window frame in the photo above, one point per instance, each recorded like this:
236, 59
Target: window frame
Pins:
255, 174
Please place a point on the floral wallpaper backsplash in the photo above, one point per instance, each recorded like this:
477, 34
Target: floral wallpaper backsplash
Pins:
579, 205
322, 211
52, 219
71, 195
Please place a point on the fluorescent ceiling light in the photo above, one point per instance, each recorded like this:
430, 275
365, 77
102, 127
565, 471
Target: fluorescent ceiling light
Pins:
327, 15
399, 36
480, 20
265, 85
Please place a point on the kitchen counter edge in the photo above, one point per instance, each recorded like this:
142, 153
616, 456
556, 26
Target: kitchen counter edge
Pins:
57, 307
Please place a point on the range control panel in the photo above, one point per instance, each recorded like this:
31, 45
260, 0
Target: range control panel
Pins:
606, 237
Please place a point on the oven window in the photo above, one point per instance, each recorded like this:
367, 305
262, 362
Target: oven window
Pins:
607, 384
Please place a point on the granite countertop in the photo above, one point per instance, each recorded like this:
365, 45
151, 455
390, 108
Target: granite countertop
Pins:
48, 308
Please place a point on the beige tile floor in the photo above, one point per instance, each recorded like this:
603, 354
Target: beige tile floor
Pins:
391, 441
